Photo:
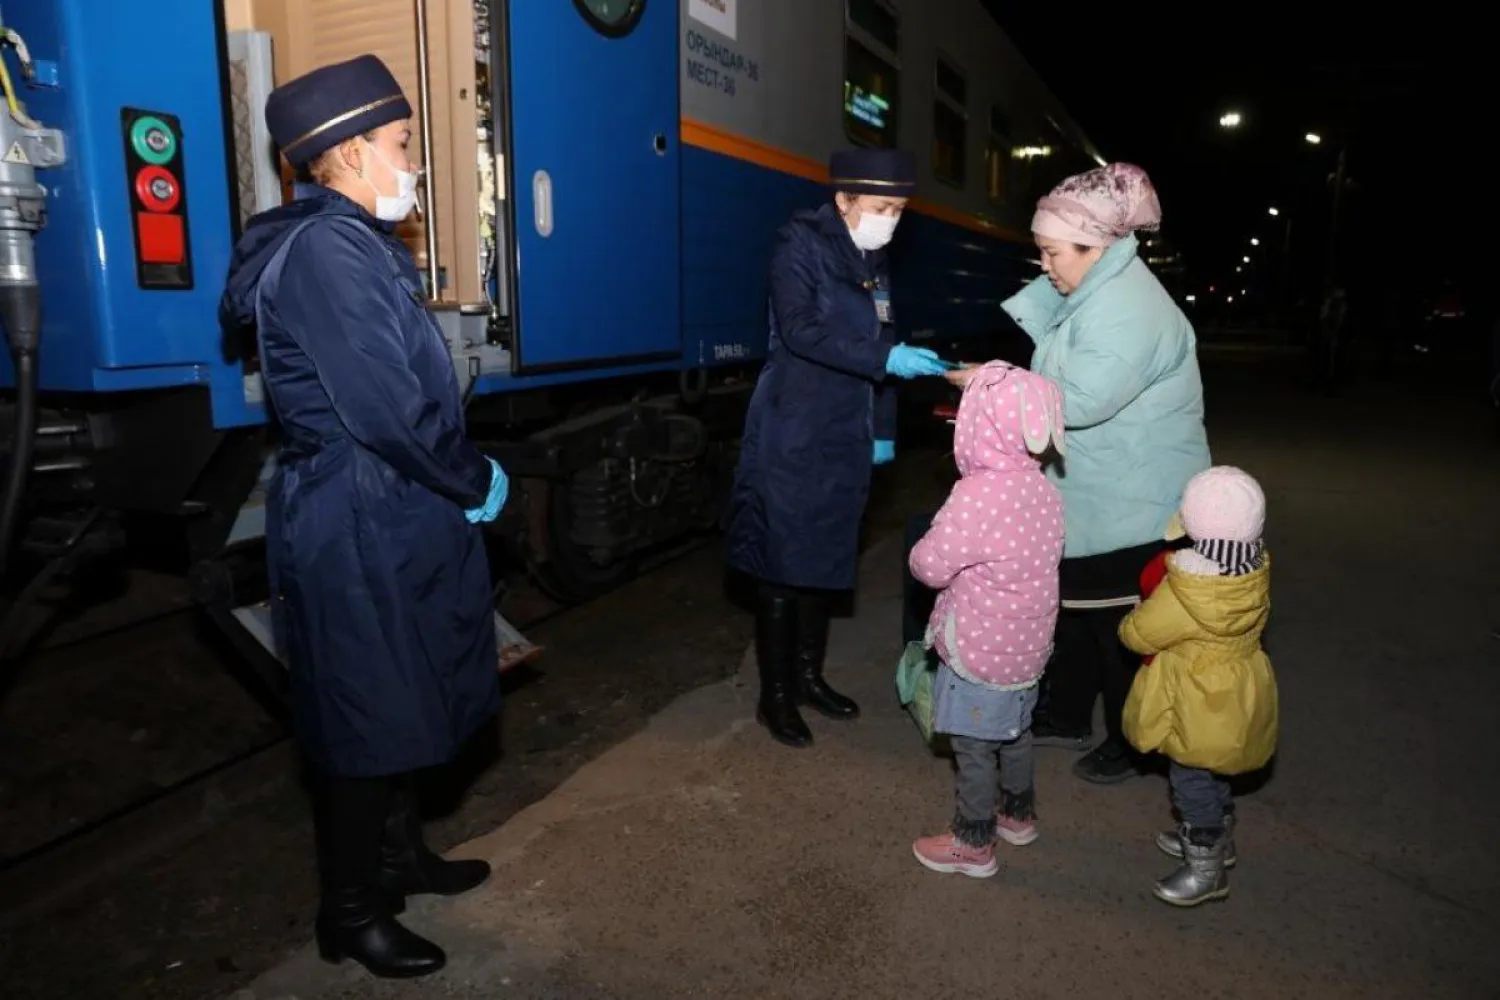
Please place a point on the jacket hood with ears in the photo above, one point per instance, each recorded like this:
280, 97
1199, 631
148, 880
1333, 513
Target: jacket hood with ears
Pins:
1008, 419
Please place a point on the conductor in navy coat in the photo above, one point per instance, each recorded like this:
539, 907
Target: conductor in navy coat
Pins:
380, 586
823, 412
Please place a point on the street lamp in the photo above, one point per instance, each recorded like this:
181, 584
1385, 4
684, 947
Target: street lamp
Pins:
1286, 261
1233, 120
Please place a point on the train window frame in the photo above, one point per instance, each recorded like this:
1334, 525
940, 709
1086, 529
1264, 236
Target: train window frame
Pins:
997, 156
619, 29
953, 107
1032, 176
860, 42
893, 23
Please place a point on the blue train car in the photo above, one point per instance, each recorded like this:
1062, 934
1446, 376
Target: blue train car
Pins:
769, 89
606, 179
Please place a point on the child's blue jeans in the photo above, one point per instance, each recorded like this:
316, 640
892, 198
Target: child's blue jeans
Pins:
1202, 797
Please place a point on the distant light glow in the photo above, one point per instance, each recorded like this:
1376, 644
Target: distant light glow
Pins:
1254, 241
1274, 211
1030, 152
1192, 298
1229, 298
1230, 119
1313, 138
1245, 259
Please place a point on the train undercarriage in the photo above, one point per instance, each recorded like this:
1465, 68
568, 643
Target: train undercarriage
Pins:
603, 475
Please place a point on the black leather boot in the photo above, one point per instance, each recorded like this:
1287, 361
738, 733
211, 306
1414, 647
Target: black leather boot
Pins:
408, 867
355, 922
775, 652
812, 649
355, 919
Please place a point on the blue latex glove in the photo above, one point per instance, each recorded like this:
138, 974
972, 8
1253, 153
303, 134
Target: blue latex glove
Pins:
913, 362
495, 502
885, 452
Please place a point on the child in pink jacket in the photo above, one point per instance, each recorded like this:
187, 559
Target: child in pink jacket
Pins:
993, 550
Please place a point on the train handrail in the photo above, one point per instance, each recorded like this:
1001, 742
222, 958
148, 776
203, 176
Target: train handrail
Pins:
424, 102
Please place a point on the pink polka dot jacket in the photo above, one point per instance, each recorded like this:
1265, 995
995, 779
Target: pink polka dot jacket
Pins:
994, 547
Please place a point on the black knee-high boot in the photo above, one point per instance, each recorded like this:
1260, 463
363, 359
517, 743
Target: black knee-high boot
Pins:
812, 649
775, 653
355, 920
408, 867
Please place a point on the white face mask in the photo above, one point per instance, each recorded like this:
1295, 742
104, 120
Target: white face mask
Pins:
387, 208
874, 231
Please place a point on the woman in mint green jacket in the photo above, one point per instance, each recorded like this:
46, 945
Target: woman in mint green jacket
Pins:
1111, 336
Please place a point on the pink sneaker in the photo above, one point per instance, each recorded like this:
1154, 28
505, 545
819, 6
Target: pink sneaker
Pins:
945, 853
1015, 832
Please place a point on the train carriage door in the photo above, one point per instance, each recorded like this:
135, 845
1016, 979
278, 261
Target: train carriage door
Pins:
593, 129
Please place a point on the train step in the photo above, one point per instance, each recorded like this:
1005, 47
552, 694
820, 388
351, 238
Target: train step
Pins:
250, 522
514, 647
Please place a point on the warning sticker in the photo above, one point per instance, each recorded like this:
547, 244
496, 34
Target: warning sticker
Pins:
17, 155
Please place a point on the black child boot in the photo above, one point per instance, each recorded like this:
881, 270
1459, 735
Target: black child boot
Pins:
812, 648
775, 652
408, 867
355, 920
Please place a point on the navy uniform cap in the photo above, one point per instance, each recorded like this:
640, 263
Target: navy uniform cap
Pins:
889, 172
315, 112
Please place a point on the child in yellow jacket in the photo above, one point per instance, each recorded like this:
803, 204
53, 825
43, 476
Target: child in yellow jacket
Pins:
1208, 699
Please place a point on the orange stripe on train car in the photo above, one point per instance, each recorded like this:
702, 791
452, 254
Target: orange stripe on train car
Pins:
717, 140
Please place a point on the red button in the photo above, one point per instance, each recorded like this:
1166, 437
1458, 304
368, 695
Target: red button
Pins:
162, 238
157, 189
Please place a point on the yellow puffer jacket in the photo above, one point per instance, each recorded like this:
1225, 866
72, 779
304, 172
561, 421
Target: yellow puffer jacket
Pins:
1209, 698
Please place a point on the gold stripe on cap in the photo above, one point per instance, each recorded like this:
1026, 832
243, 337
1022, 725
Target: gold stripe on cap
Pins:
339, 120
858, 180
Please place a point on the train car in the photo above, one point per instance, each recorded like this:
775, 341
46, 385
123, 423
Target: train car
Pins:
603, 182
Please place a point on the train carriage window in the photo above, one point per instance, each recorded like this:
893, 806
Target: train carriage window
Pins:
878, 19
612, 18
951, 83
950, 124
997, 159
872, 73
1033, 170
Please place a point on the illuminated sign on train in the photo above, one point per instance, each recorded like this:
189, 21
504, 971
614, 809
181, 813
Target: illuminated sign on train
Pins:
872, 109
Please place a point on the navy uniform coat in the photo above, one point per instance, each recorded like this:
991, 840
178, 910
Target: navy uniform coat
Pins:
381, 587
804, 472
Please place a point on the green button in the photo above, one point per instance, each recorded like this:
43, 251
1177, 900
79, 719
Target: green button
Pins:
153, 140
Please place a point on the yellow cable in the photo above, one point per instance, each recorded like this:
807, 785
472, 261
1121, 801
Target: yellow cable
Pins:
10, 90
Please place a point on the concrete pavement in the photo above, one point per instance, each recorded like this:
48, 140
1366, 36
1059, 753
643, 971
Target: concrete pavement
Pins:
699, 859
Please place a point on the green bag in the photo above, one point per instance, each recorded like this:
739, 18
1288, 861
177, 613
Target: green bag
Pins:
914, 677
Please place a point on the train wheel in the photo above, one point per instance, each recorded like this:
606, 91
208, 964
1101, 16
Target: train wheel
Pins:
570, 573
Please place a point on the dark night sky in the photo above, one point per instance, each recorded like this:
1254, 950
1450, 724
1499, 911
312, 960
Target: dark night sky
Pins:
1400, 93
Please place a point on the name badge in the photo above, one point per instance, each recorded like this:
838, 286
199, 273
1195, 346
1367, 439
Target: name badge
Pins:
882, 304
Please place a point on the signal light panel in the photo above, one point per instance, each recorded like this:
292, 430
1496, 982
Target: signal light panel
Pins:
158, 200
